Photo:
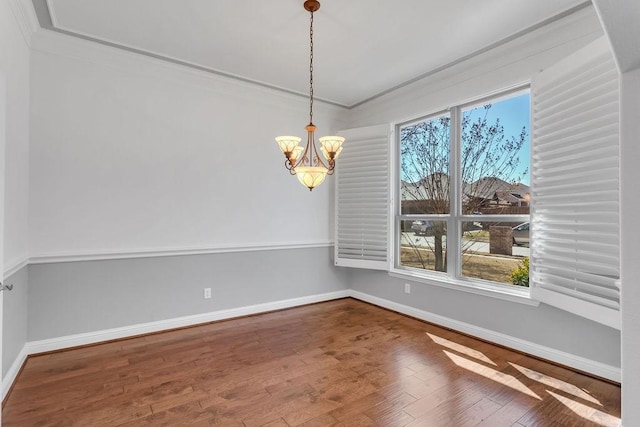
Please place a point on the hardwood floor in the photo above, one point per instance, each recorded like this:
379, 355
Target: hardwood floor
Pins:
339, 363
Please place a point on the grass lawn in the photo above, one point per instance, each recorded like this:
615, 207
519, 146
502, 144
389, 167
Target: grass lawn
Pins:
477, 235
491, 267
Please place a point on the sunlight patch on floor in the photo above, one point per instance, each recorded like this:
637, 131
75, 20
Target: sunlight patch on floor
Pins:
587, 412
461, 349
556, 383
490, 373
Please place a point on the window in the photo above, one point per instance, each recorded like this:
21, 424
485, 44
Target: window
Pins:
460, 212
464, 196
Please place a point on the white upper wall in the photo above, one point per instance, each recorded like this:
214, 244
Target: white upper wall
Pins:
508, 65
132, 154
621, 21
15, 31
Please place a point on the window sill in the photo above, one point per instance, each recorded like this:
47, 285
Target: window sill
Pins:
519, 295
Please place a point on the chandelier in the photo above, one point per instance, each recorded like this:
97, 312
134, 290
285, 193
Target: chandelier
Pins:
304, 162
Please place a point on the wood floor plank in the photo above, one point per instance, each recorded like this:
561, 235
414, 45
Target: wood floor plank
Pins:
390, 411
477, 413
321, 421
339, 363
508, 414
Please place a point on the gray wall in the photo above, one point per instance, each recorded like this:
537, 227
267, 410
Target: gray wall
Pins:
76, 297
542, 325
14, 317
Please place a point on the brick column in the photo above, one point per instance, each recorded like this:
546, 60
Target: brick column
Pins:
500, 240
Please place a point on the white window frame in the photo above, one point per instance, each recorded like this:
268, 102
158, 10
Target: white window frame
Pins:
452, 278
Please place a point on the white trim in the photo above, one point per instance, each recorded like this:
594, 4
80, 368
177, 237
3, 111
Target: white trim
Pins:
359, 263
175, 60
25, 16
59, 343
14, 267
577, 362
587, 309
11, 375
511, 293
84, 48
52, 13
164, 252
55, 26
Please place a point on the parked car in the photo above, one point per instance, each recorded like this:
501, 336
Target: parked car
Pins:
421, 227
521, 234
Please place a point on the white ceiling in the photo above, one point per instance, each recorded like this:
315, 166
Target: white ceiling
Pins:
362, 47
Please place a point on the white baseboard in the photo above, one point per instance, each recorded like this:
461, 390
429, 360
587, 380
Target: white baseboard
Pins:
567, 359
14, 370
59, 343
580, 363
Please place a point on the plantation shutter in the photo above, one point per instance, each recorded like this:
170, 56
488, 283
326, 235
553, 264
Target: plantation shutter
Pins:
362, 199
575, 256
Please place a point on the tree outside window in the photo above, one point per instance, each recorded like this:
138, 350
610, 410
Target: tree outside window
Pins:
471, 185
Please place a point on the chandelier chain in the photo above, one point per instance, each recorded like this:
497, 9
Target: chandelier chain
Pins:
311, 69
305, 161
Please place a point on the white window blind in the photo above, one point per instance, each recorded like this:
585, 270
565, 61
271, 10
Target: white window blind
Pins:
575, 257
362, 199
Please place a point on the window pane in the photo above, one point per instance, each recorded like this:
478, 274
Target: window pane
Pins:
495, 251
424, 161
495, 157
423, 244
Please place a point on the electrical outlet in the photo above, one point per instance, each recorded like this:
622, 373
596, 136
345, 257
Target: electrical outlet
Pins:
407, 288
207, 293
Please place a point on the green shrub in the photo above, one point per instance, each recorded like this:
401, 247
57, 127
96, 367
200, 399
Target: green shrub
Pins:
520, 276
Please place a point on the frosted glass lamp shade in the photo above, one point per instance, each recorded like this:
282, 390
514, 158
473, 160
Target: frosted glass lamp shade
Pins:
325, 153
295, 155
331, 146
288, 143
311, 176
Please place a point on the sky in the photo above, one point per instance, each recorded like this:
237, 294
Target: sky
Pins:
514, 114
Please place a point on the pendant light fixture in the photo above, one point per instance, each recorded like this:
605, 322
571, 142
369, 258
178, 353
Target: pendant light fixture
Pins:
304, 162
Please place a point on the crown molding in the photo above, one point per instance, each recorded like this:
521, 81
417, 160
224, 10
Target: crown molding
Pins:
44, 11
58, 43
25, 15
49, 21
